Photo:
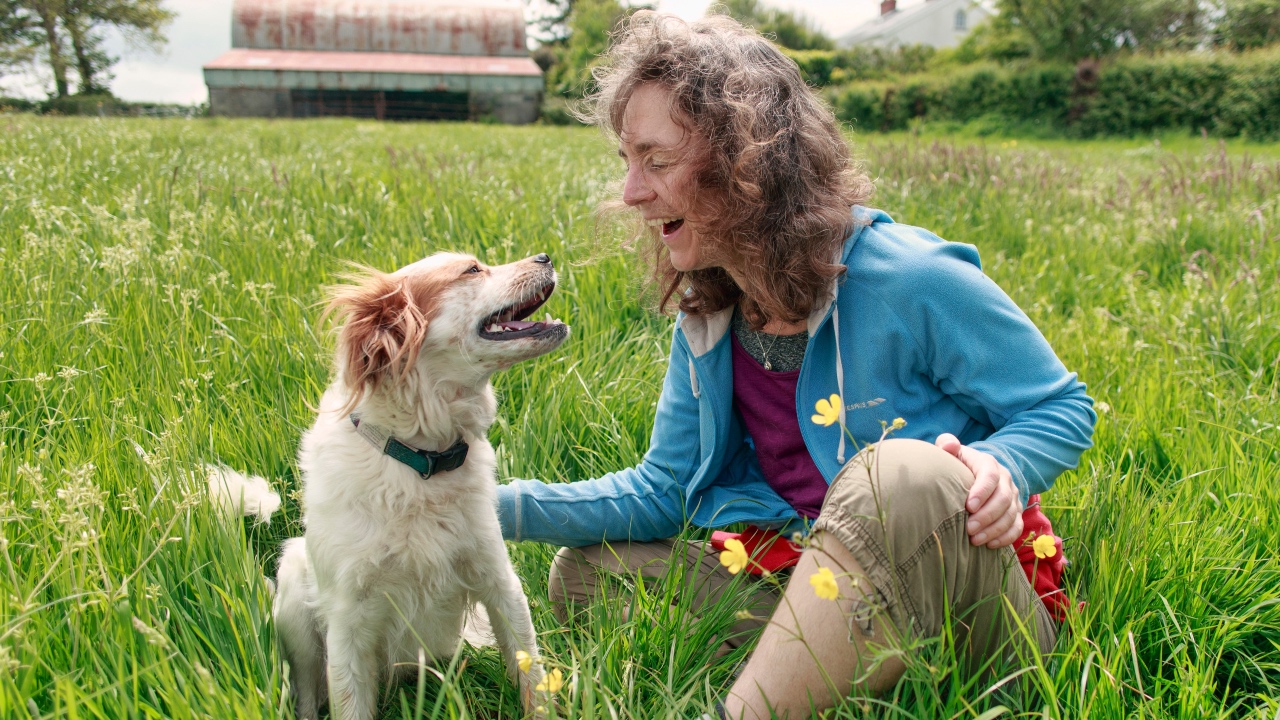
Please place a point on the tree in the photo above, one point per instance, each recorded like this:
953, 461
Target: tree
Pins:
1248, 24
550, 18
48, 13
141, 22
1077, 29
18, 28
588, 26
82, 24
787, 28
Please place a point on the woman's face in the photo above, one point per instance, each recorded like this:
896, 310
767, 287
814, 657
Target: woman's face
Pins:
659, 180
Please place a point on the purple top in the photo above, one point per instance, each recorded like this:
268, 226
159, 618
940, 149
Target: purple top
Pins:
766, 400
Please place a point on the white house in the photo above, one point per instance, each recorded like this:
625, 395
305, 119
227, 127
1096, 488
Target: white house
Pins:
940, 23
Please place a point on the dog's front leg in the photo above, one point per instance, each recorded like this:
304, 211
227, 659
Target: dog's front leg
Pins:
513, 630
354, 671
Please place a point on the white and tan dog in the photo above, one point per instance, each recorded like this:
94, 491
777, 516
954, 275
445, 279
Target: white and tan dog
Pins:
393, 560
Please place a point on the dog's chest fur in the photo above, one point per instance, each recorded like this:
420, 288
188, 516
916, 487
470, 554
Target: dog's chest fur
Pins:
375, 527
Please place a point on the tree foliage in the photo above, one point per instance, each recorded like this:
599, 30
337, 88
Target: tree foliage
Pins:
71, 34
588, 25
1247, 24
18, 35
788, 29
1073, 30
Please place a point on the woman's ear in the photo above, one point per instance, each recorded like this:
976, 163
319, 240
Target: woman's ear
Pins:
384, 323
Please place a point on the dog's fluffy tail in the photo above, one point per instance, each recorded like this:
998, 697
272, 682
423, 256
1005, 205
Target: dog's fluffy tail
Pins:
235, 494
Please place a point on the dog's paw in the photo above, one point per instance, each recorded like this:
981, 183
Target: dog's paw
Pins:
536, 695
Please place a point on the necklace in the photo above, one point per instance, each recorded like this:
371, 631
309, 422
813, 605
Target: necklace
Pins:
764, 353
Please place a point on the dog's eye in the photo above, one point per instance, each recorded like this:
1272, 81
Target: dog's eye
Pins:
473, 270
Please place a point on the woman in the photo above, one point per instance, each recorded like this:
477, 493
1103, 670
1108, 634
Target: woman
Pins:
790, 292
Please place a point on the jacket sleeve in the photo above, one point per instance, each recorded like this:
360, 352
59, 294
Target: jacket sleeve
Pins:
985, 353
640, 504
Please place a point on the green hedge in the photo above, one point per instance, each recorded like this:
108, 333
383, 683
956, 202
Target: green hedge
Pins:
1225, 94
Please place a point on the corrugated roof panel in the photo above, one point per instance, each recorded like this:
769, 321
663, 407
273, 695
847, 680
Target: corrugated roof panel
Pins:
492, 27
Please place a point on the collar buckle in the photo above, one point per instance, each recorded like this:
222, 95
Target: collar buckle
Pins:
425, 462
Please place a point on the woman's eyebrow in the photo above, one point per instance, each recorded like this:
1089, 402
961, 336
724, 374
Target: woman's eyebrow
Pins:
639, 148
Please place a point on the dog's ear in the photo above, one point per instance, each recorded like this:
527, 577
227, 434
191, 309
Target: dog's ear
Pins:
384, 323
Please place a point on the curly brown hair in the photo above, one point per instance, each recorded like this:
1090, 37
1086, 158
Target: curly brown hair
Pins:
783, 174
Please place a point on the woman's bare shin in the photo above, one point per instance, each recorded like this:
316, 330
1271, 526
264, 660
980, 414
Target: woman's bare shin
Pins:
811, 654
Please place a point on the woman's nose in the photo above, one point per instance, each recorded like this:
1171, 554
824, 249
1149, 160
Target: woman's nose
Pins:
634, 188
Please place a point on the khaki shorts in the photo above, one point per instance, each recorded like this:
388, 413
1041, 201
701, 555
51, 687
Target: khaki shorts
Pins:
899, 510
906, 530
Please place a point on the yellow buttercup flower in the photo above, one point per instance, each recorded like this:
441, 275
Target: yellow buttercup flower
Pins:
523, 660
734, 556
898, 423
552, 682
1044, 546
828, 411
824, 584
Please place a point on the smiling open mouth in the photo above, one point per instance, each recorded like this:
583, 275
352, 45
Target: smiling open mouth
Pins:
510, 323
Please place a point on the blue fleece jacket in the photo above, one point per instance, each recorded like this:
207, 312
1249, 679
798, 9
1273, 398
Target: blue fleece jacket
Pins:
914, 330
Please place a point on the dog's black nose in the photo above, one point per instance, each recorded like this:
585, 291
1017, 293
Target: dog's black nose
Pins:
542, 258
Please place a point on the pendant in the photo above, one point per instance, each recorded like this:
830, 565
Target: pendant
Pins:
768, 365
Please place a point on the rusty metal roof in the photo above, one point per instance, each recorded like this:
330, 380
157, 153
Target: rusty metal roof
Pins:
372, 62
438, 27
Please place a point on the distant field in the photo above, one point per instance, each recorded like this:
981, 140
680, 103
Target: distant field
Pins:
158, 309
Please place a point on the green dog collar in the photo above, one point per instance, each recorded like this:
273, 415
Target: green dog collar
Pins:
424, 462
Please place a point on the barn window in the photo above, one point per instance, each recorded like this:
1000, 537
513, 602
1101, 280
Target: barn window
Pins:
962, 21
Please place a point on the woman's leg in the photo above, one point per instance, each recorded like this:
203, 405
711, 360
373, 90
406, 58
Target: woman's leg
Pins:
577, 574
892, 532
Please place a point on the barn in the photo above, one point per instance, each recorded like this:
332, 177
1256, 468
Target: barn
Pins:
384, 59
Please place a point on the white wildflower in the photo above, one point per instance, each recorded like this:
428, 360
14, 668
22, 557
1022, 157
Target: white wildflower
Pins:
153, 636
96, 316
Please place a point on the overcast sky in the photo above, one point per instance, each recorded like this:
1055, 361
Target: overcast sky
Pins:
202, 32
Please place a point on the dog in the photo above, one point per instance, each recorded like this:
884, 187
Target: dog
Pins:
402, 538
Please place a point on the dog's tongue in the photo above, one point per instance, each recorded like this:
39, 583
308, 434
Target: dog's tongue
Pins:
517, 325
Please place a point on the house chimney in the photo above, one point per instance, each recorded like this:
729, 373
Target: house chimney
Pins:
888, 6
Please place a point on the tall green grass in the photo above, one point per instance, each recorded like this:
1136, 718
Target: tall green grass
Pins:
158, 310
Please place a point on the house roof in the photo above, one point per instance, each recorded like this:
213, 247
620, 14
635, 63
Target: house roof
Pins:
898, 19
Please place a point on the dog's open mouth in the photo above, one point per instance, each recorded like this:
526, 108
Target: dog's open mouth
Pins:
510, 323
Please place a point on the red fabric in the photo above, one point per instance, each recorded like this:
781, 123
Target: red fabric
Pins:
767, 549
1045, 574
770, 551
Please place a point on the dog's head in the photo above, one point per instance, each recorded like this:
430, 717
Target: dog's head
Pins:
448, 316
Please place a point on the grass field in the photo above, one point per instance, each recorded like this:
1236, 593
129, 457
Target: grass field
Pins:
158, 310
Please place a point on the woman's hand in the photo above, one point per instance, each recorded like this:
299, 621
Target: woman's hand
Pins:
995, 508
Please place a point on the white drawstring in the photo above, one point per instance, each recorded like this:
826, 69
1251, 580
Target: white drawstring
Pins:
835, 318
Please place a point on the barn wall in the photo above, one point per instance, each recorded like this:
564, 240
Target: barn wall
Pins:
249, 102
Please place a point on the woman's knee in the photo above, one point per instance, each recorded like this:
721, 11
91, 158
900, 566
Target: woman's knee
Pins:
902, 476
892, 499
571, 578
